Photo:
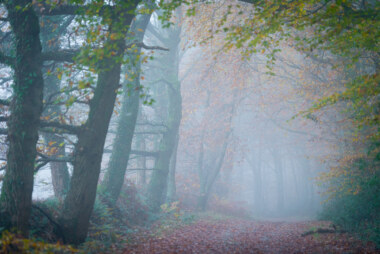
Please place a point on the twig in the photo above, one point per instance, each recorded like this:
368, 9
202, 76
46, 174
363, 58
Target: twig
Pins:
51, 220
142, 45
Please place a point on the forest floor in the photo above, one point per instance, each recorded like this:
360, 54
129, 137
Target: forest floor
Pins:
232, 235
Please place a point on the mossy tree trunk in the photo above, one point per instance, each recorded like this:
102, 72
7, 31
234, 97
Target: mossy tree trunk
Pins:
26, 109
121, 149
80, 198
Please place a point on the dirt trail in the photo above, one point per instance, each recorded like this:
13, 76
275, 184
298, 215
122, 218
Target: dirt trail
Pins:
241, 236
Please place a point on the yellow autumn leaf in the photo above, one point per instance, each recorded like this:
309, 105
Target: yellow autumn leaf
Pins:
51, 143
113, 36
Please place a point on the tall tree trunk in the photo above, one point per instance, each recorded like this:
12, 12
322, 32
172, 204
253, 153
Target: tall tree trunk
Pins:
79, 202
26, 109
157, 187
203, 200
208, 176
59, 170
297, 186
141, 161
278, 167
171, 193
307, 189
114, 178
211, 176
158, 183
80, 198
257, 183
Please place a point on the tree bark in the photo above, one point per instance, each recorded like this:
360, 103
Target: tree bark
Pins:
117, 166
79, 202
26, 109
80, 198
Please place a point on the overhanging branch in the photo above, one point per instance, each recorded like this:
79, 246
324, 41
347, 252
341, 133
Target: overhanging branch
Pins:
70, 128
133, 169
144, 153
136, 152
45, 158
46, 10
142, 45
148, 133
60, 56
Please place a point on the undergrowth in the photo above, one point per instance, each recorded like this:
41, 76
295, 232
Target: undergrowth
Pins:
357, 212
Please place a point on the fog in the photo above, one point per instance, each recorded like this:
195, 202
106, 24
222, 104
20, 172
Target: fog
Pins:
121, 117
240, 141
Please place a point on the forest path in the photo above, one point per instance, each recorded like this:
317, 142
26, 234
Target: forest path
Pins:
245, 236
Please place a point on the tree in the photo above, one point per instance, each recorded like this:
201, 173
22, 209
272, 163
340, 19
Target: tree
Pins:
53, 28
81, 195
121, 148
157, 188
26, 109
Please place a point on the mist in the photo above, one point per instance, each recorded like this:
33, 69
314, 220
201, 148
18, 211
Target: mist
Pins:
228, 126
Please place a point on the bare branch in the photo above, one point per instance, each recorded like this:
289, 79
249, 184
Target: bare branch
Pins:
142, 45
140, 153
145, 153
133, 169
60, 56
47, 10
70, 128
53, 159
152, 124
148, 133
68, 55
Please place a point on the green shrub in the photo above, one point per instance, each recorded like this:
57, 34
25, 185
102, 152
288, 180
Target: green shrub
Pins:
355, 206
